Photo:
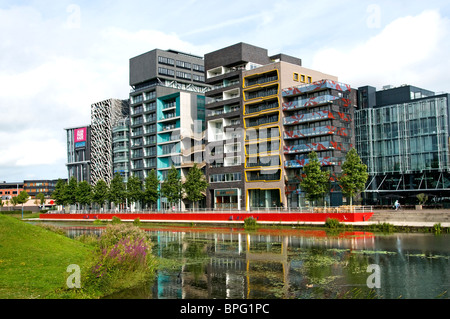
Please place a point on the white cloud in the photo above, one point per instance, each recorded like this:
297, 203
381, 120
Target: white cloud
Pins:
402, 53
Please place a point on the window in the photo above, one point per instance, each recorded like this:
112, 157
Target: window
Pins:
198, 78
183, 75
164, 60
296, 77
228, 177
182, 64
150, 95
198, 68
164, 71
137, 98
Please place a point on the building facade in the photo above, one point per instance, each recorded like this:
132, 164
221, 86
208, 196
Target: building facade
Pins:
10, 189
35, 187
167, 112
318, 116
258, 122
79, 153
403, 137
105, 117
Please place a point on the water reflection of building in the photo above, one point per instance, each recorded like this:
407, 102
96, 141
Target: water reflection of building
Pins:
239, 265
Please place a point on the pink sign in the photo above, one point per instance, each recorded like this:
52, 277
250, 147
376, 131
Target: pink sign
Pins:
80, 134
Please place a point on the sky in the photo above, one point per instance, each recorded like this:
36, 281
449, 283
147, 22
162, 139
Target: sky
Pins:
59, 57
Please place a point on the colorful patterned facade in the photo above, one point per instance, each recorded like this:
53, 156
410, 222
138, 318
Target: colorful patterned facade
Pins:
317, 117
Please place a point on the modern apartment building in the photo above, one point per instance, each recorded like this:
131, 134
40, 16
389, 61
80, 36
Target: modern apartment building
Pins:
255, 111
79, 153
167, 107
403, 137
318, 117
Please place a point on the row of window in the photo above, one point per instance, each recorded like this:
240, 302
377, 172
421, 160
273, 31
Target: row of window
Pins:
181, 64
227, 177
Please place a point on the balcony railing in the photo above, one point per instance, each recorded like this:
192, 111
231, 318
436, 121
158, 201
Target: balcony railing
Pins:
301, 148
313, 101
315, 86
324, 161
314, 131
302, 118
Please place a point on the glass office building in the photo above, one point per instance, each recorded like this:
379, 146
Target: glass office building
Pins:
402, 134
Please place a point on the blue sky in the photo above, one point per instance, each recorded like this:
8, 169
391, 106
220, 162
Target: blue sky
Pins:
59, 57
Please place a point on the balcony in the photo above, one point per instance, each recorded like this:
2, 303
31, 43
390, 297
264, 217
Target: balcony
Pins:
316, 86
303, 148
324, 161
314, 131
313, 101
309, 117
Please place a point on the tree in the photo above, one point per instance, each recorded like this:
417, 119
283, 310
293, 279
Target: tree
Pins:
14, 202
117, 190
151, 192
83, 193
22, 198
172, 188
100, 193
195, 184
134, 189
70, 191
58, 193
354, 175
315, 182
41, 198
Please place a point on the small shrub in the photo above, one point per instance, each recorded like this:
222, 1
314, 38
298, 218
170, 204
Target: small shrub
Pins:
137, 222
332, 223
116, 220
98, 222
123, 252
250, 223
437, 228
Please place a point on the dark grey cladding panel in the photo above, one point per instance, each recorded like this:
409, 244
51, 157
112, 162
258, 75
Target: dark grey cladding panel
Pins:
143, 68
236, 54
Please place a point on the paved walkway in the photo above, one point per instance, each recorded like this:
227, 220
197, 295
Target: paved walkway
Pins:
410, 217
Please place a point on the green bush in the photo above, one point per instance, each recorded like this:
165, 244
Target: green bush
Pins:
437, 228
123, 252
98, 222
332, 223
250, 223
137, 222
116, 220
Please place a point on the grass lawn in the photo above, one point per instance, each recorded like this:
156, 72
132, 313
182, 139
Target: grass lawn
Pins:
33, 261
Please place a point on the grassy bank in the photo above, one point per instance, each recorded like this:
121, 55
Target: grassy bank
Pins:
33, 260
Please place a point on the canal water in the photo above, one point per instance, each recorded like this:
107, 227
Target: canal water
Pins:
290, 263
